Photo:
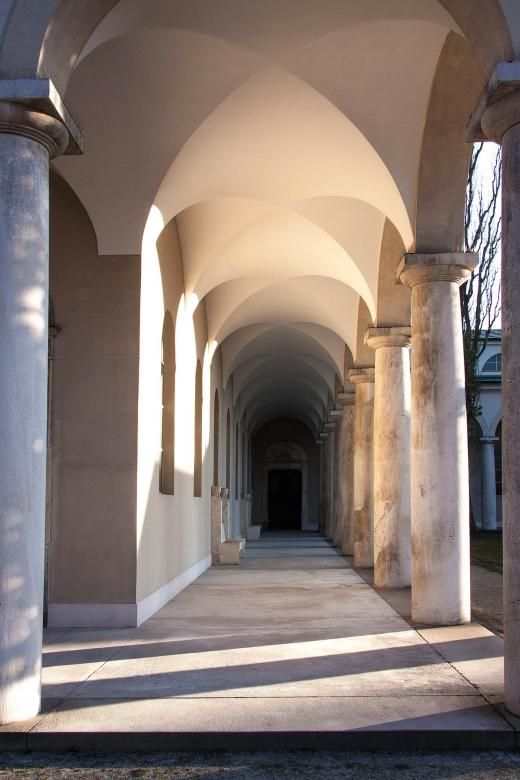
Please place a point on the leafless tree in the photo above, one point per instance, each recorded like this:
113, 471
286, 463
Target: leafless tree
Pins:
480, 296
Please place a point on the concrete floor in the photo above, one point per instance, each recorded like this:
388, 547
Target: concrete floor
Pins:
292, 649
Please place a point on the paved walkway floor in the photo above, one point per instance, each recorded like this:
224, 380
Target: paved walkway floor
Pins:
290, 650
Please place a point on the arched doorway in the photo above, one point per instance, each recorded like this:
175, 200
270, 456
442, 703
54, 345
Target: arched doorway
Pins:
285, 486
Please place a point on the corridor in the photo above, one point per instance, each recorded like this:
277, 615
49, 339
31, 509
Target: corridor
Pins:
291, 649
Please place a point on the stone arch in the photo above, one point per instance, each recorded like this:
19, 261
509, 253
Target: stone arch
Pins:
61, 29
393, 298
446, 152
284, 456
285, 443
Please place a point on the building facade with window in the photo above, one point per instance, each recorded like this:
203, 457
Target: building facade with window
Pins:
486, 444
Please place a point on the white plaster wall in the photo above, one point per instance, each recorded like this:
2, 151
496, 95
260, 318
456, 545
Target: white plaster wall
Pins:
173, 532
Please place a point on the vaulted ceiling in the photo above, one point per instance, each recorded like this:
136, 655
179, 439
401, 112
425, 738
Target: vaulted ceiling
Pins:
287, 139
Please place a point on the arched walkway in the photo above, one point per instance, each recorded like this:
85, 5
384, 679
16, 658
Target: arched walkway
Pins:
261, 220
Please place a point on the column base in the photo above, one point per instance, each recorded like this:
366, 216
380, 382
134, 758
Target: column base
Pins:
21, 701
438, 618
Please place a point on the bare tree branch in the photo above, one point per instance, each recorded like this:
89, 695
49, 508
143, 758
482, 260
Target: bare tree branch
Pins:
480, 296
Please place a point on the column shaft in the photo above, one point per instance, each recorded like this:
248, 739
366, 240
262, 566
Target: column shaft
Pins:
323, 482
489, 485
337, 533
439, 446
363, 467
329, 512
27, 139
345, 488
24, 185
511, 411
392, 523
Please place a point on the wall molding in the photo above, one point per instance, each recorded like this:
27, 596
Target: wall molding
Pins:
123, 615
149, 606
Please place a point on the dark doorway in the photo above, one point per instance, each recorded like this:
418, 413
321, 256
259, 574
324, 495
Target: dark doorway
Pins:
285, 500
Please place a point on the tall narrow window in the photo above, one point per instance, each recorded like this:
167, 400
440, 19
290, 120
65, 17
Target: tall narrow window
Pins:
228, 449
167, 473
197, 457
216, 434
236, 460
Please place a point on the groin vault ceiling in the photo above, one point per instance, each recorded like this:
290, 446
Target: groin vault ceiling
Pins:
286, 139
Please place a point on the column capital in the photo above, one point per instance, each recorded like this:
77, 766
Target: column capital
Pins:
498, 108
346, 399
489, 439
34, 109
417, 268
400, 337
359, 375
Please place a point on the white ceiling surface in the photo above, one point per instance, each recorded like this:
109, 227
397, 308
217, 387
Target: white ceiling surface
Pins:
264, 341
281, 134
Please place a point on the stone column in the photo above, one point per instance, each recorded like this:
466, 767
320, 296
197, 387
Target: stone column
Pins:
489, 484
216, 524
329, 485
28, 138
224, 499
345, 486
321, 449
337, 530
392, 525
439, 442
322, 442
497, 118
363, 378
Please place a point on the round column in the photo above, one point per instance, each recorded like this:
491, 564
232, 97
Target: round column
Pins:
501, 123
392, 524
439, 444
363, 378
323, 482
345, 487
337, 531
329, 484
489, 484
27, 140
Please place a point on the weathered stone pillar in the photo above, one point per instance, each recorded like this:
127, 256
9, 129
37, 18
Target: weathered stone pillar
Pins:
345, 486
216, 524
363, 378
329, 479
224, 499
439, 443
489, 484
392, 524
321, 511
335, 416
28, 138
497, 118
